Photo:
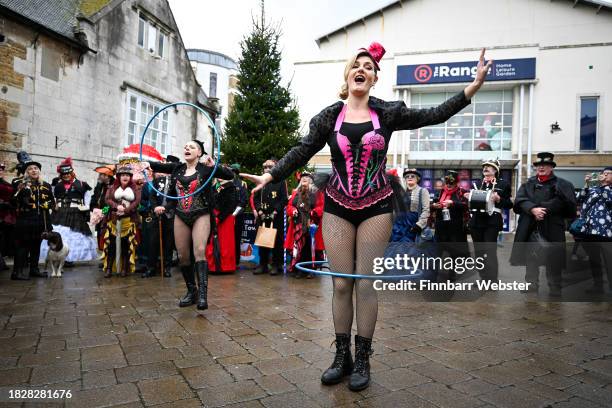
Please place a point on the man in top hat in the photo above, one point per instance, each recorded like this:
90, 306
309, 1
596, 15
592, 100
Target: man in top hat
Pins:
163, 217
449, 219
485, 227
33, 200
243, 195
543, 203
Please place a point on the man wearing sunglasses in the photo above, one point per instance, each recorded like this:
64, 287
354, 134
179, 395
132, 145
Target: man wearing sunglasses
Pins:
268, 205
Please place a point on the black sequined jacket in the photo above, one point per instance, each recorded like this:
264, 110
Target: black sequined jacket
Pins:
348, 168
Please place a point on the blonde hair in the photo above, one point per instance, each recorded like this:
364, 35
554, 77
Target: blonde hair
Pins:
344, 91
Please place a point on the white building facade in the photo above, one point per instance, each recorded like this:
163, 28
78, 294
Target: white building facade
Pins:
549, 89
214, 72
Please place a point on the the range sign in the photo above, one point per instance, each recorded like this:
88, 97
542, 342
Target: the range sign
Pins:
501, 70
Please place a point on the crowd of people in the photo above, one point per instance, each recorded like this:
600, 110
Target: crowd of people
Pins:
196, 208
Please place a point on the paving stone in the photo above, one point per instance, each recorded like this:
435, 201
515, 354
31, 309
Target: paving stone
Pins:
48, 358
56, 373
475, 387
15, 376
145, 372
442, 396
274, 384
401, 398
104, 397
592, 393
400, 359
439, 373
99, 379
512, 397
102, 358
555, 380
400, 378
235, 392
243, 371
279, 365
295, 399
206, 376
164, 390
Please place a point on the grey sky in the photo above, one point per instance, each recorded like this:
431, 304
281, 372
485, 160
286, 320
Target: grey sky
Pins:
219, 25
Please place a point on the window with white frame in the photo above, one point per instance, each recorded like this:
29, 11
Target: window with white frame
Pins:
588, 122
151, 37
213, 85
484, 125
140, 111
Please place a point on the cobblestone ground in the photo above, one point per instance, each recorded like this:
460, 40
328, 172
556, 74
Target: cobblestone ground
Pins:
265, 341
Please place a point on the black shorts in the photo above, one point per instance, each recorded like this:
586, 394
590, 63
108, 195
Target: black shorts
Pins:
356, 217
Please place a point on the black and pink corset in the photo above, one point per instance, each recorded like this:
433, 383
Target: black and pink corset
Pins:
358, 177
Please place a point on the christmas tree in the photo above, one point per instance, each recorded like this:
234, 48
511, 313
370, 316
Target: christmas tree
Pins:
264, 122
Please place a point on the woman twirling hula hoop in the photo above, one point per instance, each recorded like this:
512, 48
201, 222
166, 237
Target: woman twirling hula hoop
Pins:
358, 196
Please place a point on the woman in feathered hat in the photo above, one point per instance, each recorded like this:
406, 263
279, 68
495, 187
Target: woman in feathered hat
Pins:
358, 204
122, 222
305, 208
71, 215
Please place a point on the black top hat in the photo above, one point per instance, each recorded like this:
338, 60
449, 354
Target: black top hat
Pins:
25, 160
451, 176
412, 171
545, 158
172, 159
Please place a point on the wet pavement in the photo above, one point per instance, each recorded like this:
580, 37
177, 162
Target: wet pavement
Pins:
265, 341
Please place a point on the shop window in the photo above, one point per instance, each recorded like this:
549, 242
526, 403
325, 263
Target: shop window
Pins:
484, 125
139, 111
588, 123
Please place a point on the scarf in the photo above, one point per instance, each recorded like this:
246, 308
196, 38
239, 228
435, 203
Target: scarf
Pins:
448, 193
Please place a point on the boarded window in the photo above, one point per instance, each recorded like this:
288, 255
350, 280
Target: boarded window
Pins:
50, 64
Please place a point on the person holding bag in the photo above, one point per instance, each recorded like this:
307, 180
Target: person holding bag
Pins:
543, 203
268, 205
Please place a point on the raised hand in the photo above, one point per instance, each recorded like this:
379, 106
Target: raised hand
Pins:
482, 69
260, 181
481, 73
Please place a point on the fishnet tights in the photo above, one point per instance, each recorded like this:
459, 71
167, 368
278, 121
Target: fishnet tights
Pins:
184, 236
352, 250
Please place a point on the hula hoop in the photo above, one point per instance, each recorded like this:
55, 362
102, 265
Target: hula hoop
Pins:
301, 267
216, 134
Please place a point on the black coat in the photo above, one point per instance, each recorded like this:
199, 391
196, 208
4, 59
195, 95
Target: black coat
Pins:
454, 229
557, 196
495, 220
272, 197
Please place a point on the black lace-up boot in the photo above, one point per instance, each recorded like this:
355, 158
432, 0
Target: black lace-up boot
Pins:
343, 362
360, 377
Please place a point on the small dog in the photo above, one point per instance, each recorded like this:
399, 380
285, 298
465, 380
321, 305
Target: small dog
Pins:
57, 253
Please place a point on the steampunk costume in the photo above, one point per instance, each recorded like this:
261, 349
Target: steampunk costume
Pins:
221, 250
556, 195
304, 209
485, 227
358, 205
33, 200
121, 229
243, 197
271, 201
166, 220
7, 220
98, 198
189, 210
71, 216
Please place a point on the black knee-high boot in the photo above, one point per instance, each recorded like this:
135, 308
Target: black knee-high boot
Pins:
190, 297
360, 378
343, 362
201, 268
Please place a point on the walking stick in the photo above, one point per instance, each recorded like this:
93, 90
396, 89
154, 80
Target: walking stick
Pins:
161, 247
118, 245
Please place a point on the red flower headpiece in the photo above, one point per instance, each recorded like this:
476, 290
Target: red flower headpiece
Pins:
375, 51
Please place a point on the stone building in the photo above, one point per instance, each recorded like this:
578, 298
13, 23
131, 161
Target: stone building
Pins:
81, 78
